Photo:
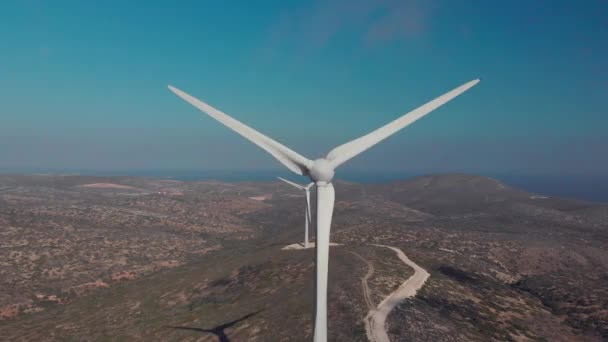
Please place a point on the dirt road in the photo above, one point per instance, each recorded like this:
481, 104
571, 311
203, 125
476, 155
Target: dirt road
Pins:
375, 321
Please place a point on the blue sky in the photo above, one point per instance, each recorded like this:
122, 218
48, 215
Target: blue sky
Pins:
83, 85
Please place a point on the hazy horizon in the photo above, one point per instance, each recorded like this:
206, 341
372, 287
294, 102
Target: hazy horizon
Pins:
583, 187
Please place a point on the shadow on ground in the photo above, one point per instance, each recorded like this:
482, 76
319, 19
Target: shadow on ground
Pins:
218, 330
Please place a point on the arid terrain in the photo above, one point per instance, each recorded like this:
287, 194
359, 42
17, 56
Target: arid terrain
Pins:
123, 259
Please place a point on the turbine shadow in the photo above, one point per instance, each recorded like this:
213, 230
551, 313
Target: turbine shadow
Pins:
218, 330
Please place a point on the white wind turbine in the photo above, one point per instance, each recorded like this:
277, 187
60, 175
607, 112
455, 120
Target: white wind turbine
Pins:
321, 172
307, 213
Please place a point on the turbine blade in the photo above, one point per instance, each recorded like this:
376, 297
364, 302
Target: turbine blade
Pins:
283, 154
306, 222
308, 210
325, 209
343, 153
296, 185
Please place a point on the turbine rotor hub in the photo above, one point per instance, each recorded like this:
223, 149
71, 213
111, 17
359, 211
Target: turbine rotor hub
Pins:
321, 172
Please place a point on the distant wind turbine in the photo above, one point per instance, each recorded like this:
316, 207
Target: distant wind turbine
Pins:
307, 213
321, 172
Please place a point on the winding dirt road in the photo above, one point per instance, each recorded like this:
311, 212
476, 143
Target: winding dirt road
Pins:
366, 292
375, 321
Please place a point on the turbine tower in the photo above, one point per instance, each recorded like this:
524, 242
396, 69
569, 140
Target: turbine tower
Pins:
307, 212
321, 172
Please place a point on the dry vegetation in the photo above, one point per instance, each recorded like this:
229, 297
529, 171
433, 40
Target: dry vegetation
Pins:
122, 258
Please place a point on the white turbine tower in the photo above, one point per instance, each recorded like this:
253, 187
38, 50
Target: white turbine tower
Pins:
307, 209
321, 172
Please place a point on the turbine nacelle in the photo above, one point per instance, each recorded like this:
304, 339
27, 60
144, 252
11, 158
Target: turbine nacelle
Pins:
321, 172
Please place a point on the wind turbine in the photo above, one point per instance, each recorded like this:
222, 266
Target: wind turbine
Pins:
307, 212
321, 172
